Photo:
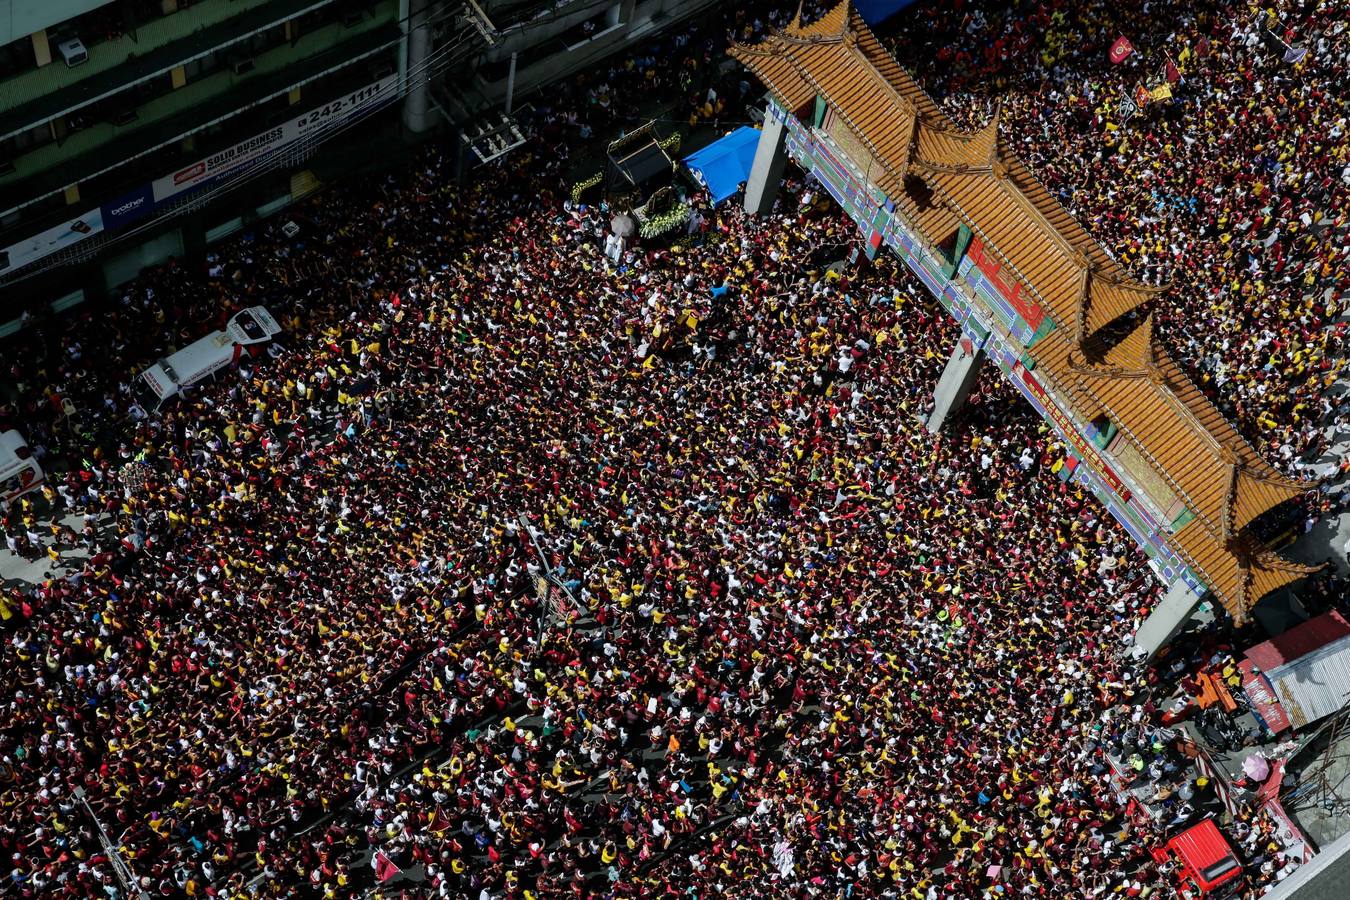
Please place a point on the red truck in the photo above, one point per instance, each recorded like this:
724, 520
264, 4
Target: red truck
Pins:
1209, 868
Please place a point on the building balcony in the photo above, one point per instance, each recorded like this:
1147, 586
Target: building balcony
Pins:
37, 96
91, 152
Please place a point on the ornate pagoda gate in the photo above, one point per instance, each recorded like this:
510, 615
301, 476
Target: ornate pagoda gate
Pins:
1034, 293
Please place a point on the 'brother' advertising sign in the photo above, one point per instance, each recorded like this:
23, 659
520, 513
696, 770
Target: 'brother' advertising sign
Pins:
128, 208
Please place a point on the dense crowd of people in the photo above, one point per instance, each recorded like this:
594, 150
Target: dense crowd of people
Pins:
789, 641
761, 540
1234, 190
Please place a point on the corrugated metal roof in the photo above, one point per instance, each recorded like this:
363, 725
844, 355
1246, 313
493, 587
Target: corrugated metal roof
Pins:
1299, 641
975, 178
1316, 684
1262, 698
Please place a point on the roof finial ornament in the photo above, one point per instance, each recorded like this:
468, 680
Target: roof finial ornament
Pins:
991, 128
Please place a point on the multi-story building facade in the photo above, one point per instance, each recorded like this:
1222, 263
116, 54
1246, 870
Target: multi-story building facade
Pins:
136, 130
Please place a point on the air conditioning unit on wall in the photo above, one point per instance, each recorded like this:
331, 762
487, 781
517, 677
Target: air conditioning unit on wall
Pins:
73, 52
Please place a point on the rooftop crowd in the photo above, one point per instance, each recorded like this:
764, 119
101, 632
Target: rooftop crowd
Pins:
798, 644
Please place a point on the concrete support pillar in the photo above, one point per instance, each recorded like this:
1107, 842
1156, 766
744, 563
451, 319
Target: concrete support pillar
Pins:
766, 173
193, 228
42, 48
403, 46
1168, 618
417, 106
963, 368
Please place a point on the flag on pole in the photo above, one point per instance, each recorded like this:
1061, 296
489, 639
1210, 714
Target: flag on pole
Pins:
1276, 44
1171, 72
384, 867
1121, 50
1202, 47
1161, 92
1295, 54
1141, 96
439, 822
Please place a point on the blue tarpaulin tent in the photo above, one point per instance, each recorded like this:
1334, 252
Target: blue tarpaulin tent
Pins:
875, 11
724, 164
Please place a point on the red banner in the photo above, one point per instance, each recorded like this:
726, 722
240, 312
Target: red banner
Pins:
1008, 286
1121, 50
1084, 449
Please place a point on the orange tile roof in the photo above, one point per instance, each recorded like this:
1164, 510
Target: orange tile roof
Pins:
1189, 443
883, 62
823, 59
1083, 287
975, 150
838, 58
780, 71
940, 176
1239, 571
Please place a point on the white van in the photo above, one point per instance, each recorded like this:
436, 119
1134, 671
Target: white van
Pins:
19, 472
202, 359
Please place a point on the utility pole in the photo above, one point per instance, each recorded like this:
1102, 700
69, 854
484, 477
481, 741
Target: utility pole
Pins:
120, 867
474, 13
511, 83
415, 58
